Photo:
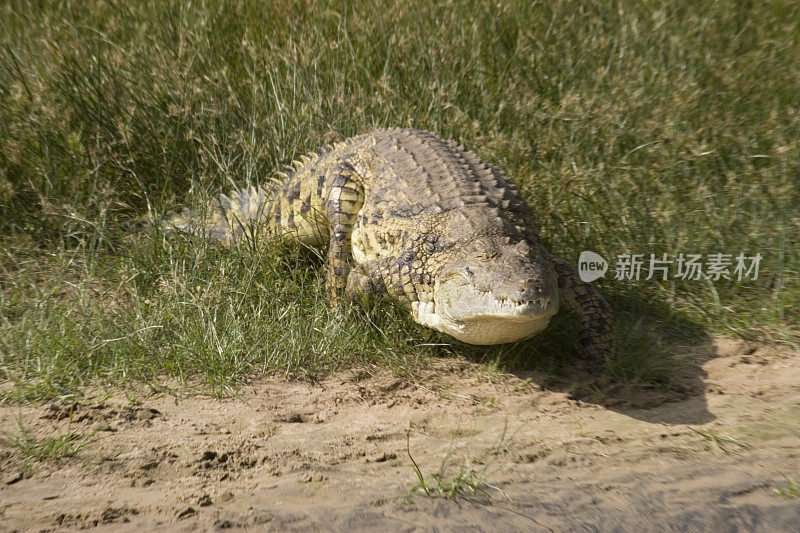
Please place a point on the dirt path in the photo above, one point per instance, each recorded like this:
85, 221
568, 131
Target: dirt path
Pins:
332, 456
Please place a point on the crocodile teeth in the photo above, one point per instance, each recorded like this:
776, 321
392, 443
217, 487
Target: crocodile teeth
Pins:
507, 303
423, 308
504, 302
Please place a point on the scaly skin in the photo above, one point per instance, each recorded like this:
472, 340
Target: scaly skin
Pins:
411, 217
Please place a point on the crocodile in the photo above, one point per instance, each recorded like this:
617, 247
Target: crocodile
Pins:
411, 217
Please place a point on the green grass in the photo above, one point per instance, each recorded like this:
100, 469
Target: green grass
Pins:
791, 490
49, 448
720, 441
637, 127
444, 484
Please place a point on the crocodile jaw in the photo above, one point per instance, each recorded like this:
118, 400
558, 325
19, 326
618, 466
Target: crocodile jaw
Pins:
504, 322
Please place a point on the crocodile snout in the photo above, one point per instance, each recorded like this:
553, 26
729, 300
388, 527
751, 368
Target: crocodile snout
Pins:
538, 296
529, 289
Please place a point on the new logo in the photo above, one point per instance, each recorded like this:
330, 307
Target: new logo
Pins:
591, 266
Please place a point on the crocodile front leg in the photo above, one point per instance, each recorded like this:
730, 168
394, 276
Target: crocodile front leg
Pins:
373, 287
344, 199
596, 338
379, 279
361, 285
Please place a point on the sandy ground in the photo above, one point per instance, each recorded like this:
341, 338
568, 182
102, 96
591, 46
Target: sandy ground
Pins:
333, 455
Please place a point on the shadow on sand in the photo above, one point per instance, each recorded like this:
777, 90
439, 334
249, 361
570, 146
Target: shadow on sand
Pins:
658, 360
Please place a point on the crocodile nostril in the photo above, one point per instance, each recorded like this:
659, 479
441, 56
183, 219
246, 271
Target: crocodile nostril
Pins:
525, 294
530, 290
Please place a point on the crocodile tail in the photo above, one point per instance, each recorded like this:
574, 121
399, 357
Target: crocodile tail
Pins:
241, 214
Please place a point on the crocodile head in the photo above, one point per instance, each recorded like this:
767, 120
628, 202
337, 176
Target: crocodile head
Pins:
491, 293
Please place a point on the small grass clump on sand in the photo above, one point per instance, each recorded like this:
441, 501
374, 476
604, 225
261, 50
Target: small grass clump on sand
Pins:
791, 490
631, 127
49, 448
467, 482
720, 441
